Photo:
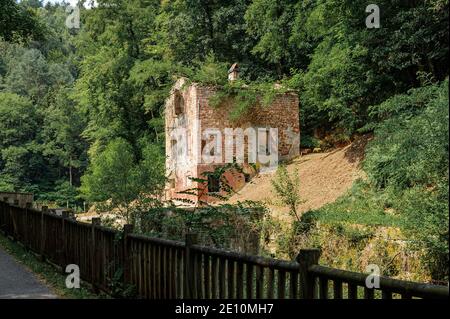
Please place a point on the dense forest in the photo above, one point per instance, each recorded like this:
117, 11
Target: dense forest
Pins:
81, 109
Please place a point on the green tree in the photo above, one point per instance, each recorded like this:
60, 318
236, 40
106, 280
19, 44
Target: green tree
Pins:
114, 91
19, 21
353, 67
115, 180
188, 31
17, 148
273, 24
62, 135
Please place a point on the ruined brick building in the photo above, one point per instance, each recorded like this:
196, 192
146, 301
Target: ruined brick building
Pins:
191, 124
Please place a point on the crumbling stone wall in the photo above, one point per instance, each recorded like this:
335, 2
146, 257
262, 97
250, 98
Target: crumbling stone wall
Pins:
283, 113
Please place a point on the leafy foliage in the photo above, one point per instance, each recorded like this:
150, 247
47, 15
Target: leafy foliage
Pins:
85, 107
407, 168
412, 144
116, 179
19, 21
241, 98
17, 133
353, 67
236, 226
287, 187
410, 156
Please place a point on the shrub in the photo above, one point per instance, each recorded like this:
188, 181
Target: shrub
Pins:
308, 141
287, 187
411, 147
409, 160
407, 168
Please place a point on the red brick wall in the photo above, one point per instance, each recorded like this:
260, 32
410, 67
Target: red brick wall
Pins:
283, 113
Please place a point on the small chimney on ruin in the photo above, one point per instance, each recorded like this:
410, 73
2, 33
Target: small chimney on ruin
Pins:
233, 72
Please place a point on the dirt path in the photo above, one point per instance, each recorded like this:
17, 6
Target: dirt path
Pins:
323, 178
17, 282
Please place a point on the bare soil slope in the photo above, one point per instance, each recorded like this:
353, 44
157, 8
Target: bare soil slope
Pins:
323, 178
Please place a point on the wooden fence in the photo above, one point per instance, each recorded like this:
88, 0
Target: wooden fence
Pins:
115, 261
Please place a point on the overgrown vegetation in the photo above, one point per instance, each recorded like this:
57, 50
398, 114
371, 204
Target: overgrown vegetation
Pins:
219, 224
408, 161
362, 205
407, 168
287, 187
237, 226
244, 98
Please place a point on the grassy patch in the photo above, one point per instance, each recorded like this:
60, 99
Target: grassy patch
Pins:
361, 205
46, 272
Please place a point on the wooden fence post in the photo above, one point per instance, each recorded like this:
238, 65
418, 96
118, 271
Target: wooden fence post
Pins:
127, 229
94, 266
3, 218
63, 254
26, 225
306, 258
44, 210
6, 212
189, 275
14, 233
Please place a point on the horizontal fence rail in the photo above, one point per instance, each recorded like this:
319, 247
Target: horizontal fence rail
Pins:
356, 286
129, 265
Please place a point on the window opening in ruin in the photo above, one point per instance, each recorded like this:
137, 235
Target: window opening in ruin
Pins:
267, 142
179, 103
264, 141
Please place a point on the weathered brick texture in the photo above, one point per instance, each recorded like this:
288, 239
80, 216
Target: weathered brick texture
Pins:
196, 112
